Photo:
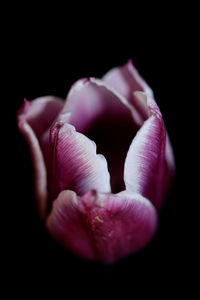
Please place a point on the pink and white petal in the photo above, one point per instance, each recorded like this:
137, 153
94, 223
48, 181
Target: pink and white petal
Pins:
169, 155
126, 80
76, 165
170, 168
91, 98
151, 107
41, 112
145, 167
38, 164
102, 227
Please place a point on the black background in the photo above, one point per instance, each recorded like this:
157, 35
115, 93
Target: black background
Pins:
44, 56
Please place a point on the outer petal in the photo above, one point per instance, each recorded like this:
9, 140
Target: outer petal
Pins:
103, 227
76, 165
33, 119
41, 112
126, 80
145, 165
38, 164
170, 161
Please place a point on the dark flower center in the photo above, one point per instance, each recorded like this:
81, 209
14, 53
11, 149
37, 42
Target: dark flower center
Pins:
113, 135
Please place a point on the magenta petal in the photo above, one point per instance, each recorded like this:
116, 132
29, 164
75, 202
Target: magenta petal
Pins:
38, 164
76, 165
145, 165
33, 119
41, 112
126, 80
102, 227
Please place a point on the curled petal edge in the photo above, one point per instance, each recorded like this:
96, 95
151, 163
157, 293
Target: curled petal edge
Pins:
41, 112
144, 164
87, 169
126, 80
40, 173
90, 97
28, 118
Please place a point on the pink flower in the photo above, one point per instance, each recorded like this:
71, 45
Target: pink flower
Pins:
101, 208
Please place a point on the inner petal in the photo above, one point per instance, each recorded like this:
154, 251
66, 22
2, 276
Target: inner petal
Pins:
104, 116
113, 134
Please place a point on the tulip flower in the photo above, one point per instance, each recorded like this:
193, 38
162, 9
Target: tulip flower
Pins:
100, 206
